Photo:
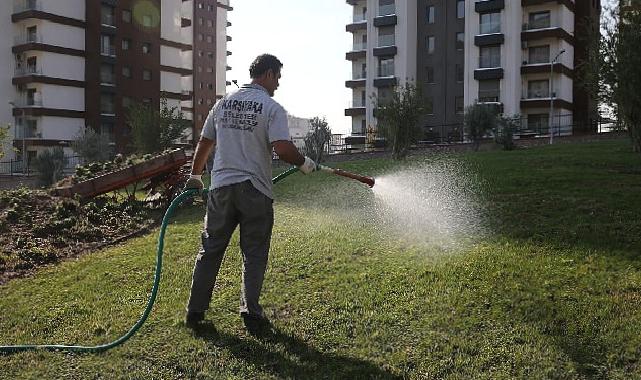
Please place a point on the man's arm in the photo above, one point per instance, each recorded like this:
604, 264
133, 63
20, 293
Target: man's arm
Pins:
203, 150
287, 151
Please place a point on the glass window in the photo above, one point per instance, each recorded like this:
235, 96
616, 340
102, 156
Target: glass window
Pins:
460, 9
429, 105
539, 20
429, 73
429, 15
146, 74
539, 54
538, 89
458, 105
126, 15
146, 21
126, 42
490, 56
32, 34
146, 47
126, 101
386, 67
490, 23
460, 41
107, 73
459, 73
107, 45
489, 90
107, 104
386, 7
126, 71
107, 15
429, 44
386, 36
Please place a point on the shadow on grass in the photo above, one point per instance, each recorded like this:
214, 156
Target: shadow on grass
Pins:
287, 356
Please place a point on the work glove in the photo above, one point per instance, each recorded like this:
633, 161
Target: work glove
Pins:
308, 167
194, 182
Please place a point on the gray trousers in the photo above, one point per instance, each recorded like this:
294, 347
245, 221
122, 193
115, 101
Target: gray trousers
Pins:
228, 207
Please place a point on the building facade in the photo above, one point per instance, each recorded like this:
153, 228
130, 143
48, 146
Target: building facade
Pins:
73, 64
519, 56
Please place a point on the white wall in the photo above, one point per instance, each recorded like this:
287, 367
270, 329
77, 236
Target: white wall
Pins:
7, 92
171, 56
58, 65
170, 82
59, 128
221, 49
68, 8
53, 34
61, 97
170, 20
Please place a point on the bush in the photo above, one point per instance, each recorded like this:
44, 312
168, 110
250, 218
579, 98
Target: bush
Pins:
91, 146
49, 165
317, 139
504, 132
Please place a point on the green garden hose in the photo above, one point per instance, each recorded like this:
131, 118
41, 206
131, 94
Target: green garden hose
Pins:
152, 298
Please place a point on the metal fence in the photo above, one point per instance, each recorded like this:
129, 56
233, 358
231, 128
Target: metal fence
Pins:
18, 167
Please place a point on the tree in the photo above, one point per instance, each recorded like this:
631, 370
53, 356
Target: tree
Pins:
49, 165
4, 133
398, 118
478, 120
504, 132
91, 146
317, 139
612, 72
152, 130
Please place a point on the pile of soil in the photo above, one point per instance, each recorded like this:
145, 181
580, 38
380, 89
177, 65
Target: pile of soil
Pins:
37, 228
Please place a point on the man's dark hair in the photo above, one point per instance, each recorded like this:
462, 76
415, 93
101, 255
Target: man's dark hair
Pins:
264, 63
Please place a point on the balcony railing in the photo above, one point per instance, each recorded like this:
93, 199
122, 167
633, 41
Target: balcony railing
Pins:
488, 96
537, 25
386, 71
490, 28
27, 39
359, 75
356, 103
358, 46
107, 78
28, 70
488, 62
107, 19
386, 40
359, 18
28, 102
27, 5
386, 10
108, 50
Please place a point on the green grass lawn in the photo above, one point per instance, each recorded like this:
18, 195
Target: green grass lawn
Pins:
550, 289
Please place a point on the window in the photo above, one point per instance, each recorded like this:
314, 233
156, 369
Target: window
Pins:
429, 105
384, 96
490, 23
459, 108
460, 41
146, 74
429, 44
429, 14
32, 34
490, 56
386, 7
200, 53
210, 8
107, 15
107, 45
200, 37
126, 71
210, 23
386, 67
210, 55
429, 73
539, 54
489, 90
146, 21
209, 39
107, 130
210, 69
126, 16
126, 102
107, 104
146, 101
146, 47
539, 20
538, 89
126, 42
107, 73
32, 65
386, 36
459, 73
460, 9
201, 85
210, 86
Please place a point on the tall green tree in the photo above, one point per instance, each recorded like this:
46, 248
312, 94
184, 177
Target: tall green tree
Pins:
318, 138
398, 118
612, 72
479, 119
4, 133
91, 146
155, 130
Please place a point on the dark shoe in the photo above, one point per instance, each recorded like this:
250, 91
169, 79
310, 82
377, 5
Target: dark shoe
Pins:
193, 318
256, 325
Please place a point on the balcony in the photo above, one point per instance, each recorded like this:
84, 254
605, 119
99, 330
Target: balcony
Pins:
358, 80
358, 51
31, 38
355, 108
28, 102
387, 10
570, 4
108, 51
27, 70
486, 6
27, 5
107, 19
544, 68
359, 22
535, 32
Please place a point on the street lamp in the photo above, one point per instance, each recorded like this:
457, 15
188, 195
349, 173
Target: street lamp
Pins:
24, 135
551, 97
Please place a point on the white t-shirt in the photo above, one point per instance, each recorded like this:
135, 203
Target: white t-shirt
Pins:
244, 124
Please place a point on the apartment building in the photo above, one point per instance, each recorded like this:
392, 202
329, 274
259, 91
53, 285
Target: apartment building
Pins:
383, 55
73, 64
523, 57
519, 56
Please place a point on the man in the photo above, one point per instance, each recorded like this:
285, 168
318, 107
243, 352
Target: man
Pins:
243, 126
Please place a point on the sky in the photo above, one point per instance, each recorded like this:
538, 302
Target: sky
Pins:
310, 40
